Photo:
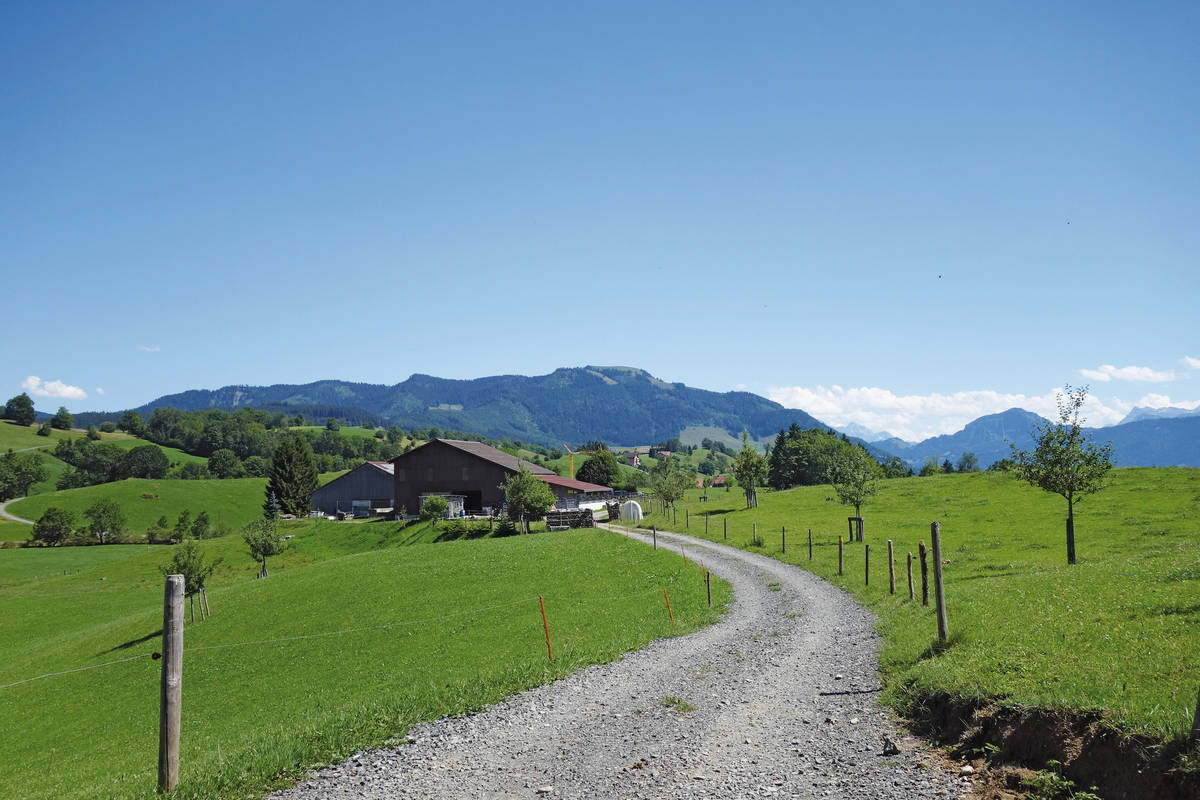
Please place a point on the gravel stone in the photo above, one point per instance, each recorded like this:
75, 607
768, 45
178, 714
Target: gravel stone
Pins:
769, 683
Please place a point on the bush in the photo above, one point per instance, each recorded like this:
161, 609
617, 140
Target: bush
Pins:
433, 508
54, 526
108, 427
505, 527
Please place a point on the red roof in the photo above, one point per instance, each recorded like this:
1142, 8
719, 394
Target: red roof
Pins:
571, 483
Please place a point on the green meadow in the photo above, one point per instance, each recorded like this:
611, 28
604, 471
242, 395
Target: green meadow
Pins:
1119, 632
351, 640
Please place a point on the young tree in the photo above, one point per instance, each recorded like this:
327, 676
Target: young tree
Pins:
183, 525
188, 560
54, 526
853, 476
293, 477
105, 520
668, 482
433, 508
20, 410
264, 539
527, 497
1065, 460
44, 430
93, 433
62, 420
750, 469
108, 426
601, 468
200, 526
271, 506
930, 468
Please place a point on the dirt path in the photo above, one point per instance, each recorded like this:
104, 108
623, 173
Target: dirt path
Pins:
11, 517
783, 691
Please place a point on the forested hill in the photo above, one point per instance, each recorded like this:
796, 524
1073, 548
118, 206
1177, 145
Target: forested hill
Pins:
620, 405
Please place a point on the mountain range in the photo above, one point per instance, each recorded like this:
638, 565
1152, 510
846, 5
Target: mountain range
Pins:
627, 406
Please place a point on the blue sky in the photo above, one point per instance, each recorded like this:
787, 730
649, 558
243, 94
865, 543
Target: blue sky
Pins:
901, 215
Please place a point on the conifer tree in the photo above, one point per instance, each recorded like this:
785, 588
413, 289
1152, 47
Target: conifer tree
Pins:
293, 476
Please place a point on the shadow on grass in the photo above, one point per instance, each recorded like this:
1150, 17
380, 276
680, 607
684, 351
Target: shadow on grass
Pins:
126, 645
936, 647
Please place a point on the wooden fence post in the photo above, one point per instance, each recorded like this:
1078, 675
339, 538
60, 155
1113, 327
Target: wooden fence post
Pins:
910, 583
924, 573
810, 544
546, 627
891, 569
687, 519
1195, 736
939, 587
866, 565
724, 528
654, 536
171, 687
708, 586
783, 529
840, 562
706, 523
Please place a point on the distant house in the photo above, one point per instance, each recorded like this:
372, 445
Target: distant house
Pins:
363, 492
633, 459
473, 471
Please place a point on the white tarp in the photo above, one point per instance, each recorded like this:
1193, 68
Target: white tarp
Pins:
631, 511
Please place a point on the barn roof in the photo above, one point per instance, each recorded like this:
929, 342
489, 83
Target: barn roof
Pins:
571, 483
386, 466
488, 453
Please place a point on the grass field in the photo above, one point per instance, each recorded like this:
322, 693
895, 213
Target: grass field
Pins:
21, 437
1118, 632
144, 500
351, 640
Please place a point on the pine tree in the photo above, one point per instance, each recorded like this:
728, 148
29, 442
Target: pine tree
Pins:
293, 476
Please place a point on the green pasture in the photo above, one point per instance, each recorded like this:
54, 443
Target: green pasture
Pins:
144, 500
1118, 632
349, 642
22, 437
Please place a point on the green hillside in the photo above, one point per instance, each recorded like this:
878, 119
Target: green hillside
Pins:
1118, 632
144, 500
270, 688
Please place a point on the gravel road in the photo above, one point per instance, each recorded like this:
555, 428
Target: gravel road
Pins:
784, 694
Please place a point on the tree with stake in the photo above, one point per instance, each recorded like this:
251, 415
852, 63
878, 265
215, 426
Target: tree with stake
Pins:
527, 497
293, 477
853, 475
750, 469
668, 482
1065, 460
264, 539
188, 560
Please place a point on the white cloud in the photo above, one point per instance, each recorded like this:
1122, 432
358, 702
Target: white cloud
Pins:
1194, 363
1107, 372
99, 390
149, 348
916, 417
1153, 400
36, 386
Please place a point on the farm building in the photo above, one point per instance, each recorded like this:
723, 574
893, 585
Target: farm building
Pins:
362, 492
474, 472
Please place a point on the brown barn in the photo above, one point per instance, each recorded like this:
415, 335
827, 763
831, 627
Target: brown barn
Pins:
472, 470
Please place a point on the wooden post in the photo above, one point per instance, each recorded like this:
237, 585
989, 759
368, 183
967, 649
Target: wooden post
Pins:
546, 626
924, 573
670, 613
939, 587
687, 520
754, 534
840, 555
171, 687
891, 569
724, 528
1195, 735
810, 544
706, 523
850, 522
708, 586
204, 597
654, 536
910, 583
783, 532
867, 565
674, 515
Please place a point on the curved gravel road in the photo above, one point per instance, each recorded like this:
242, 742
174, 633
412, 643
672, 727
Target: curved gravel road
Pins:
784, 694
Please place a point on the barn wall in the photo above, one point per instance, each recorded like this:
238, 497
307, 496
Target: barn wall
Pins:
365, 483
441, 468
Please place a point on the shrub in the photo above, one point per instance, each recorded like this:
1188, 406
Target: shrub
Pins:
54, 526
108, 426
505, 527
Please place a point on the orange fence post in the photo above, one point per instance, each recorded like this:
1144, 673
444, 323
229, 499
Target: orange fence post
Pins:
546, 625
670, 613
